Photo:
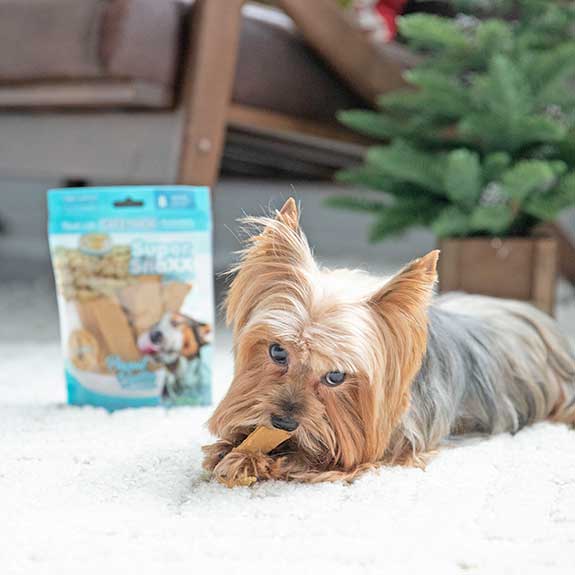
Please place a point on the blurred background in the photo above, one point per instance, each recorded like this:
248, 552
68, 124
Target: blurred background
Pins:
398, 125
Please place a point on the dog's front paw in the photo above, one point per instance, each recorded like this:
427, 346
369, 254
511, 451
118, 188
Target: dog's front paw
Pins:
242, 468
214, 453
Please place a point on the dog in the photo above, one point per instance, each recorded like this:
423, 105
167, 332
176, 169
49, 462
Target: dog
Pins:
365, 372
175, 342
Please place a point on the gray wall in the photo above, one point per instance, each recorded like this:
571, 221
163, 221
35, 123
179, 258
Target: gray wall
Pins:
23, 245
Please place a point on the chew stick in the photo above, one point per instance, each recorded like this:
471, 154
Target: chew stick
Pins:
263, 440
114, 328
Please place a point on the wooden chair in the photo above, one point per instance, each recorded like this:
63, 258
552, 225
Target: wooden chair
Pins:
211, 71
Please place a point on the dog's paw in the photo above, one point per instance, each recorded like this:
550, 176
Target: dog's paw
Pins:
214, 453
242, 468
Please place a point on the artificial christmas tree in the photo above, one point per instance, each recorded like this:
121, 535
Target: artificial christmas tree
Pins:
483, 145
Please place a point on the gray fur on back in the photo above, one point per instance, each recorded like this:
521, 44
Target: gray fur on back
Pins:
491, 365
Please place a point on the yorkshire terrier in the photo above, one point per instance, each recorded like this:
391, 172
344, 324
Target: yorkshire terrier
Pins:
366, 372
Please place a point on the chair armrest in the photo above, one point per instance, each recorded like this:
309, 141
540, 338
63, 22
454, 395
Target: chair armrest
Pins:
334, 36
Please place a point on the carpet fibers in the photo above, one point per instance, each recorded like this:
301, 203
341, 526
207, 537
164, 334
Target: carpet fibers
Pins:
84, 491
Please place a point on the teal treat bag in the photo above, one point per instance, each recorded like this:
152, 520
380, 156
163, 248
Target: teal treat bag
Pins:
134, 281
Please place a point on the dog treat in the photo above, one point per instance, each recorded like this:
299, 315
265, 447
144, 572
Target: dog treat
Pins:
244, 480
96, 244
84, 350
86, 314
149, 278
144, 304
262, 440
173, 295
134, 331
114, 328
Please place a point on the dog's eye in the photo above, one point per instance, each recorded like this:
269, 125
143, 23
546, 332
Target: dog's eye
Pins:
334, 378
278, 354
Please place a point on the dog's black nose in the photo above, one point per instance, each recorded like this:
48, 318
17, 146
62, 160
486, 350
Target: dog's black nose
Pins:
156, 337
286, 423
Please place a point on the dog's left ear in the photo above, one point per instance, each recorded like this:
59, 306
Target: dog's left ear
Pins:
411, 289
400, 308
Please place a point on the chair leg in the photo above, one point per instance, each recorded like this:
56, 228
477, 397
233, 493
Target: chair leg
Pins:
208, 82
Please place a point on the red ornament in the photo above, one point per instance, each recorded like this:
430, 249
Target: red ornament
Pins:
389, 10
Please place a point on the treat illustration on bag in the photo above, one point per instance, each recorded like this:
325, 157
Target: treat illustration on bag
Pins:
135, 294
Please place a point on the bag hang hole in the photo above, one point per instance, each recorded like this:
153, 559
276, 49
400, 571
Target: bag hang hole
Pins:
128, 203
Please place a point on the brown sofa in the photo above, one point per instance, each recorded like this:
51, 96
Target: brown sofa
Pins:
189, 72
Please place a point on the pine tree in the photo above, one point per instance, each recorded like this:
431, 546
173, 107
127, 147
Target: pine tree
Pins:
483, 141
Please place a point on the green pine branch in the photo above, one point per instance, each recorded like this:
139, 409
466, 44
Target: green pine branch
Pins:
483, 140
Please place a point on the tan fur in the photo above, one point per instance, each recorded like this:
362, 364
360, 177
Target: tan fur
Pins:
375, 333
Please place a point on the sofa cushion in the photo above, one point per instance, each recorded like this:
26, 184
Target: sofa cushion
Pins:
40, 40
142, 39
125, 53
87, 39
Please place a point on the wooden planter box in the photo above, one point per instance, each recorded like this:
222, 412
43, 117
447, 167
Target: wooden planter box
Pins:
515, 268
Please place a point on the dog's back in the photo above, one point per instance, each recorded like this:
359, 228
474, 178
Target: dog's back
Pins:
491, 365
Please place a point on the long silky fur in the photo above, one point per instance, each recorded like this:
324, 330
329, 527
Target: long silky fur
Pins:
491, 366
417, 370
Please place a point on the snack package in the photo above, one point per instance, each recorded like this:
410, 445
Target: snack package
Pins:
133, 271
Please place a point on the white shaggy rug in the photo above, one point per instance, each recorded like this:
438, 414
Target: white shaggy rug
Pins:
83, 491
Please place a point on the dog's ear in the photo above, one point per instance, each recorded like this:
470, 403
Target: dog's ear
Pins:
411, 289
400, 308
401, 304
277, 257
191, 345
205, 333
289, 214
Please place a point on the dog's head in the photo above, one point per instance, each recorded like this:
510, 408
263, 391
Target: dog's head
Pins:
326, 354
174, 336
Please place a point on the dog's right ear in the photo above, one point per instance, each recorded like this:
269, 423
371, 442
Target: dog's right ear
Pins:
277, 257
289, 214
